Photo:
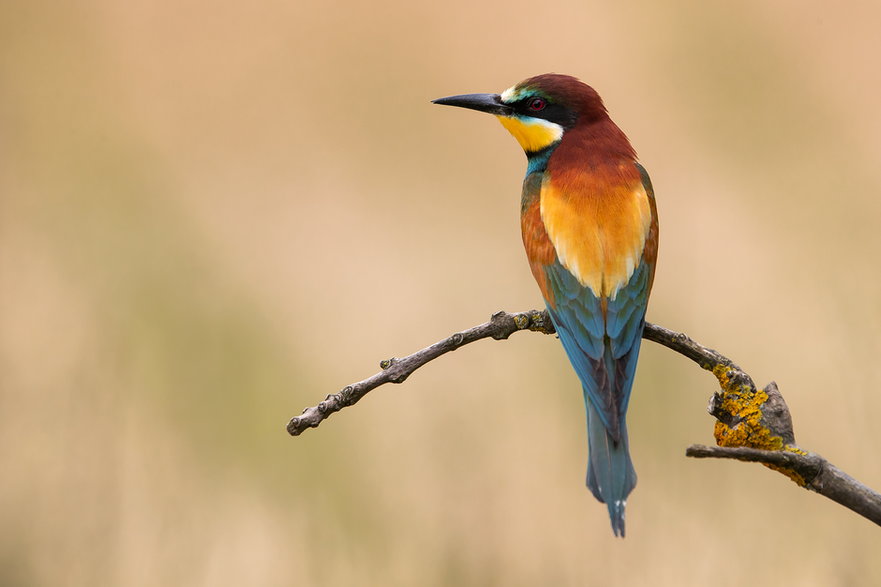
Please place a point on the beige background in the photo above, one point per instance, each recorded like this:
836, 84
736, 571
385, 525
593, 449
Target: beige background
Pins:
212, 214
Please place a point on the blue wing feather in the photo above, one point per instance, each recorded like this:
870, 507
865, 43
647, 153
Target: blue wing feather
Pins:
603, 347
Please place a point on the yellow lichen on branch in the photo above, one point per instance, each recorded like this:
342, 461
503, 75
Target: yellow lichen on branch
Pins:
744, 423
745, 405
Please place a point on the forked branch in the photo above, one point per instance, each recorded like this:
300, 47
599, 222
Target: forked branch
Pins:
751, 424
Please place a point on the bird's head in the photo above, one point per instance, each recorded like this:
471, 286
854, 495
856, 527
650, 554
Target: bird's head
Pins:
538, 111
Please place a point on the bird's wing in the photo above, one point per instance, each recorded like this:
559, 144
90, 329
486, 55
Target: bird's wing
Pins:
602, 344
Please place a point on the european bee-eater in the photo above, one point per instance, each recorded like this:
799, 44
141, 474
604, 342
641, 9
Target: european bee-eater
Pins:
590, 228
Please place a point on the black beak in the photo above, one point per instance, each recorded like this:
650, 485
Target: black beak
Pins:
491, 103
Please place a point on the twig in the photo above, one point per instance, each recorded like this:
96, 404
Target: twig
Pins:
394, 370
751, 424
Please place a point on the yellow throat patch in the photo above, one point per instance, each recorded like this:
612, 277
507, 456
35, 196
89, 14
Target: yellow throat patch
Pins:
533, 134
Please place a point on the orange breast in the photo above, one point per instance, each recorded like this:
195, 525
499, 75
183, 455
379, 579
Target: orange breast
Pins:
598, 223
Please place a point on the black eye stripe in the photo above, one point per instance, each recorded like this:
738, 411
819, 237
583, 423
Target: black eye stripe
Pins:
551, 111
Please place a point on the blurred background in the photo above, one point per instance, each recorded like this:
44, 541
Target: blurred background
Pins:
214, 214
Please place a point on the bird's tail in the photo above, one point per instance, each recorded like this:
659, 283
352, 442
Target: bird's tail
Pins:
610, 473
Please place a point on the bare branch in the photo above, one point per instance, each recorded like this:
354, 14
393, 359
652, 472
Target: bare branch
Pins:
751, 424
394, 370
501, 326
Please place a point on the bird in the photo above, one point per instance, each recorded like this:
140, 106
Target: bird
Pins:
589, 224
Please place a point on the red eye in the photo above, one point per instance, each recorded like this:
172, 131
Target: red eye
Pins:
537, 104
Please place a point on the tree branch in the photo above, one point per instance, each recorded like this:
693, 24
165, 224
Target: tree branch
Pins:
751, 424
394, 370
815, 473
